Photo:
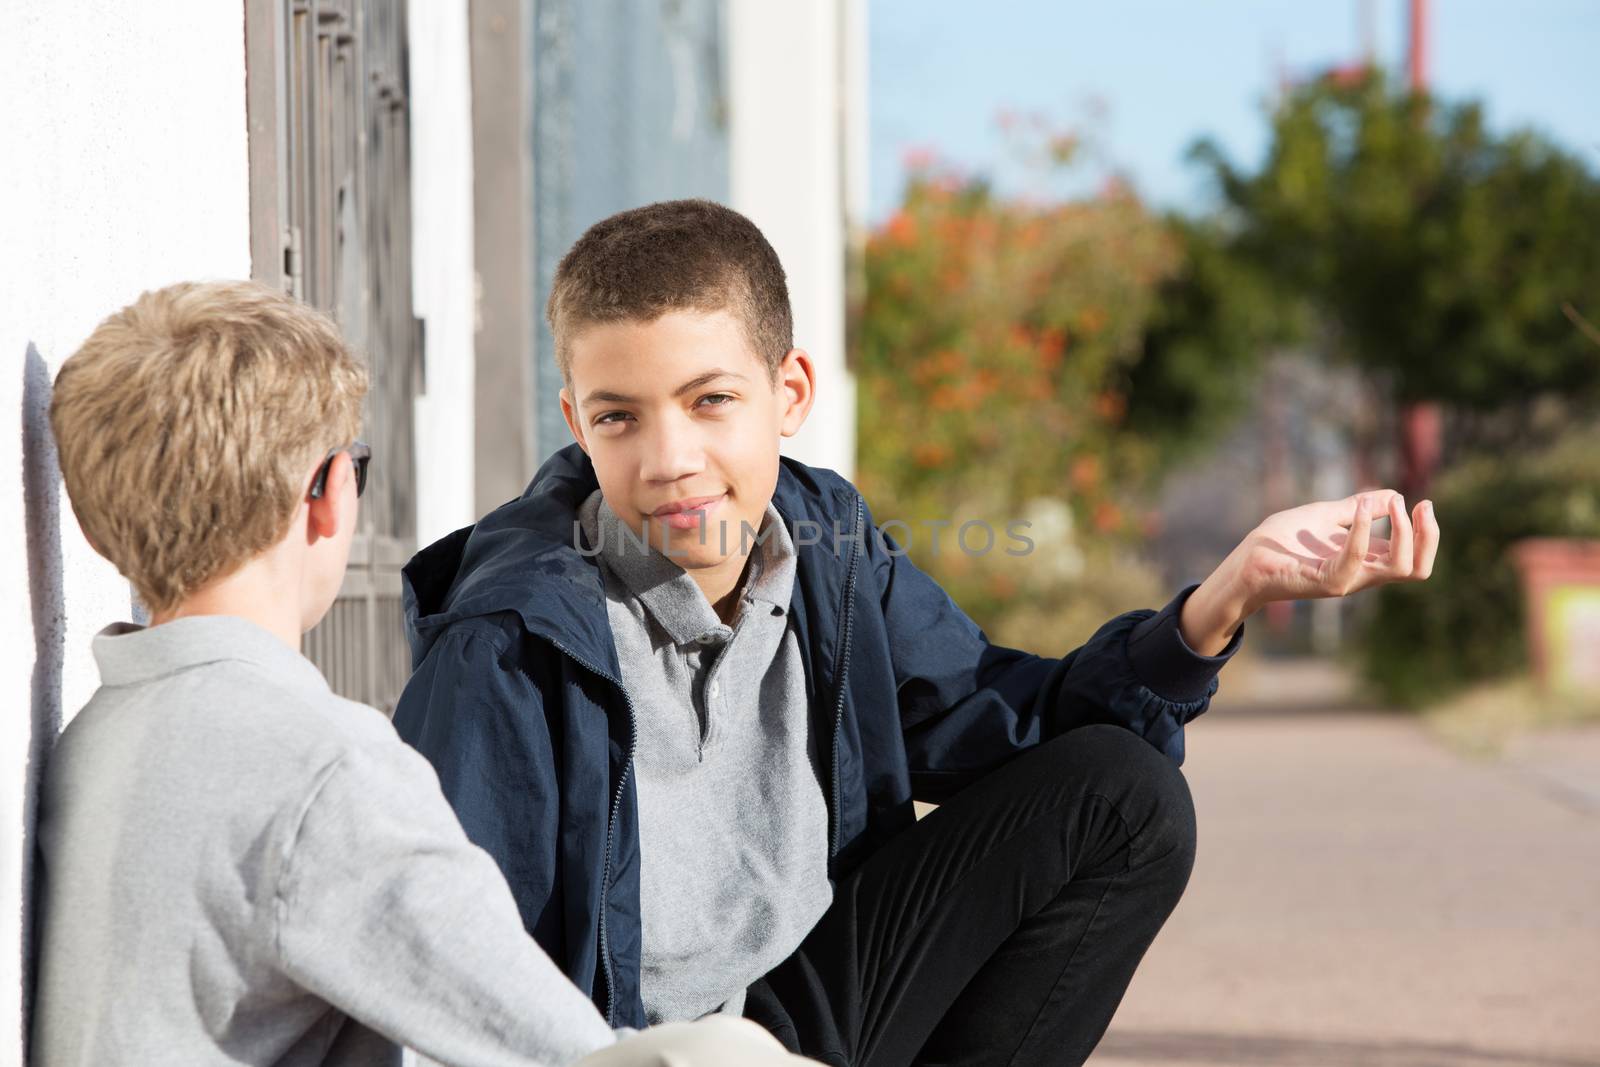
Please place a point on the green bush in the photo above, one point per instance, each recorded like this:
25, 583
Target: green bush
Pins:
1465, 625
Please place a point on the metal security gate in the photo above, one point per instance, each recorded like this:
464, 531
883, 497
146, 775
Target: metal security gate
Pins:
330, 184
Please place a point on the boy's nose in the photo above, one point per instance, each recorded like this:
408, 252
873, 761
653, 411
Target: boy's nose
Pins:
673, 452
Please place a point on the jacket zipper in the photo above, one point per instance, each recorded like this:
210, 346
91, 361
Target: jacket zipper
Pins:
611, 825
844, 669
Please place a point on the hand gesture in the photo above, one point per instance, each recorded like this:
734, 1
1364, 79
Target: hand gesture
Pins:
1311, 552
1327, 549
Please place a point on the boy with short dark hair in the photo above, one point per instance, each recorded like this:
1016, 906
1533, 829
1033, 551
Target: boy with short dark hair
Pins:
239, 867
685, 692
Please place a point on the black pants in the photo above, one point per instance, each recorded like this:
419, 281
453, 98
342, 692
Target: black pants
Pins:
1004, 927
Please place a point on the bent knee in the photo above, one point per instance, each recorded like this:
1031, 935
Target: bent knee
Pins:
1147, 788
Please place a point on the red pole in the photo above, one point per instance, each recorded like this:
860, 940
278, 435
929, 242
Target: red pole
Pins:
1418, 52
1421, 423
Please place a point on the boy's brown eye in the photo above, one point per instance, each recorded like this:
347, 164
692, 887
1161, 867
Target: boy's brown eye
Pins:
716, 399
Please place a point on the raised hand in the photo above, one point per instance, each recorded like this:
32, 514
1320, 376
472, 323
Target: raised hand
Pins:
1310, 552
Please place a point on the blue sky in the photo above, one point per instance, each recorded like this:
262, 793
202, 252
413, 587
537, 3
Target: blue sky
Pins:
1167, 71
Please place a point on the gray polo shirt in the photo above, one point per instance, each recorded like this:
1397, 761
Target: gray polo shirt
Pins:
733, 828
239, 867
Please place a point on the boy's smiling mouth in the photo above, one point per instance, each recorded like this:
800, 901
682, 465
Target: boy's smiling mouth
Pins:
687, 513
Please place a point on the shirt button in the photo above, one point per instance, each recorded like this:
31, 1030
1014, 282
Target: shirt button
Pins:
706, 638
714, 688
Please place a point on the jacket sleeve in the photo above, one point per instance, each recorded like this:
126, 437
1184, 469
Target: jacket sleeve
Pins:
967, 706
480, 721
385, 910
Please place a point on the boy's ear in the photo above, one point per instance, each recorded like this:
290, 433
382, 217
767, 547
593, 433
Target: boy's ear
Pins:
797, 385
569, 411
326, 515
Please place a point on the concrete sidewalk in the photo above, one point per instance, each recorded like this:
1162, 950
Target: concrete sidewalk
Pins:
1365, 897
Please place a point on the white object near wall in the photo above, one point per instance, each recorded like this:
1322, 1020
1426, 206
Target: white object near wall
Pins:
445, 290
125, 169
797, 92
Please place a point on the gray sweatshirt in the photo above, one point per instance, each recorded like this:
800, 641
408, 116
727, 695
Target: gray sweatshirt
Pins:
240, 867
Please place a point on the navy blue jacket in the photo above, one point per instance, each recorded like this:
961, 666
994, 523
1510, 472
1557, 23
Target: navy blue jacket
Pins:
517, 699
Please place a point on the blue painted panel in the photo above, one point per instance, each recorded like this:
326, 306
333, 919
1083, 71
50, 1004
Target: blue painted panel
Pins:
629, 107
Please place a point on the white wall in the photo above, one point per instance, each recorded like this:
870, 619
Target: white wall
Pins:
445, 291
123, 167
797, 99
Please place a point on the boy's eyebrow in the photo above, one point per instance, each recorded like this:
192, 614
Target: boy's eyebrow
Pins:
606, 396
706, 379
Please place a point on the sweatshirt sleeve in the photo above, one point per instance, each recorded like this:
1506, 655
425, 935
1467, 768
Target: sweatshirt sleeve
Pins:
385, 910
478, 719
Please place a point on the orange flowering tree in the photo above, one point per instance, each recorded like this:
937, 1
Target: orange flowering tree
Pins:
994, 350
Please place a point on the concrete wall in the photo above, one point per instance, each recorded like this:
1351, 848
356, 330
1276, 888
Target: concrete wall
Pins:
124, 168
444, 294
797, 94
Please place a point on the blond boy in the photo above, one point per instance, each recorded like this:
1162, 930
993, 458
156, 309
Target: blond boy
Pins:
239, 866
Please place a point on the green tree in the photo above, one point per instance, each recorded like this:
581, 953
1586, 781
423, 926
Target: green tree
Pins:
1212, 319
1435, 250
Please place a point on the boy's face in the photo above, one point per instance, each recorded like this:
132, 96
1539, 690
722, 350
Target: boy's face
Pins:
682, 421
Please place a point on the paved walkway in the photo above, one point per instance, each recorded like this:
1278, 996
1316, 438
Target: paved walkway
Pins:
1365, 897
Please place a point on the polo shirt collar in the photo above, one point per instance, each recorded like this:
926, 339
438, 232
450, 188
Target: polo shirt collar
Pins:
667, 591
128, 654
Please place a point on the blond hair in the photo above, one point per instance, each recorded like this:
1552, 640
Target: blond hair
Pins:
188, 424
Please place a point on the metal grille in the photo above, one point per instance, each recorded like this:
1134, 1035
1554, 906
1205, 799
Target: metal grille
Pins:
331, 223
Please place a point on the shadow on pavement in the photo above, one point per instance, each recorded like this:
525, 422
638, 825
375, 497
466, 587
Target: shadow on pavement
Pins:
1249, 1050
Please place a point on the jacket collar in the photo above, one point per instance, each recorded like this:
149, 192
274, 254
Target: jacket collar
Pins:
523, 558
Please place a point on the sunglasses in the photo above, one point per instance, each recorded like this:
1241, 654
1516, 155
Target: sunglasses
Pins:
360, 456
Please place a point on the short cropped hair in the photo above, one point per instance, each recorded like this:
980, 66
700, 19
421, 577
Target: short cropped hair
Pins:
188, 424
677, 255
